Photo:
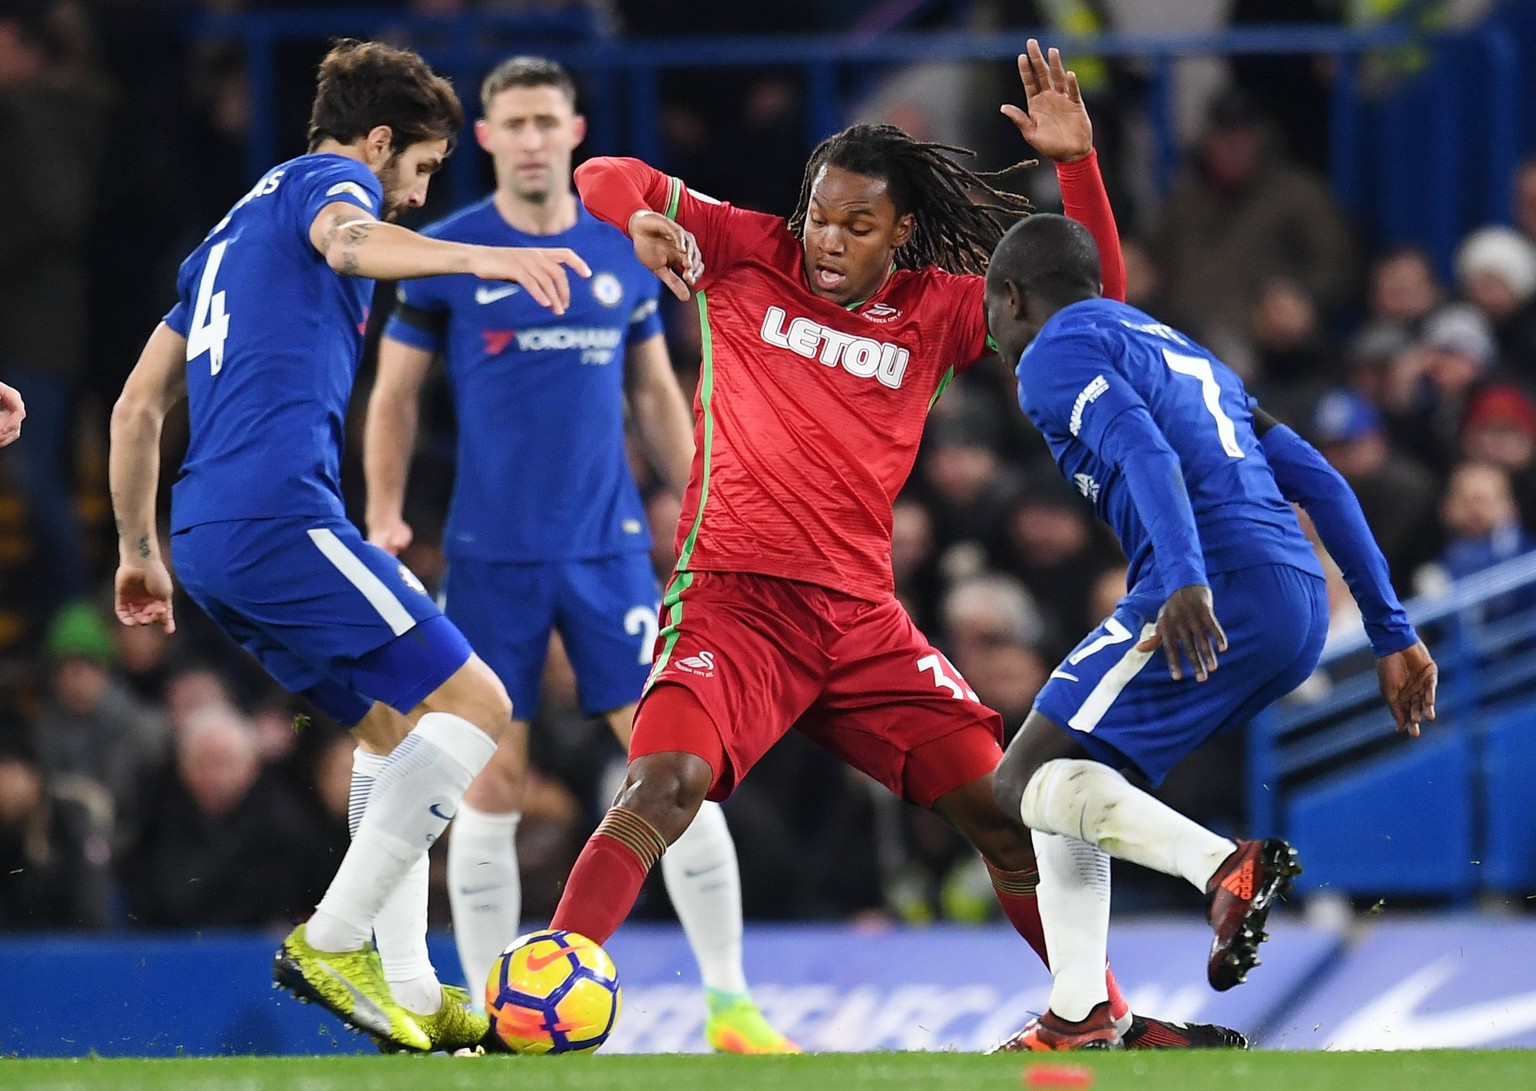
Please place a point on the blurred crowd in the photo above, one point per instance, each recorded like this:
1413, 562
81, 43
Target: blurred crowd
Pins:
155, 781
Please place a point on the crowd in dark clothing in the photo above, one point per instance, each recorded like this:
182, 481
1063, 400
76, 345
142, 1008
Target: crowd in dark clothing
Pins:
161, 782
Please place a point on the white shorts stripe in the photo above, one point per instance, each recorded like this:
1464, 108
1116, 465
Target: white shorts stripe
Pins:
1092, 710
360, 576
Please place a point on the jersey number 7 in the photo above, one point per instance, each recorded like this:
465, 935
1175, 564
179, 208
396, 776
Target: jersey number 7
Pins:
1198, 367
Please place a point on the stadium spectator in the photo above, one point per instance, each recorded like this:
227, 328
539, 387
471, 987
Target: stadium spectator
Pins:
91, 725
1483, 529
989, 611
1398, 495
966, 485
1056, 549
1239, 215
53, 849
1293, 355
222, 842
1427, 385
915, 561
1523, 198
51, 117
1501, 429
1496, 272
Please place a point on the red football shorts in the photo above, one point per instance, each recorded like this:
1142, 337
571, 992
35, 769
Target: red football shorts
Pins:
764, 655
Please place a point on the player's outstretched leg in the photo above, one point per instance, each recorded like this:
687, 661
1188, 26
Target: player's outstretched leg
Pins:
1011, 861
704, 883
1238, 897
400, 931
1057, 788
351, 985
330, 959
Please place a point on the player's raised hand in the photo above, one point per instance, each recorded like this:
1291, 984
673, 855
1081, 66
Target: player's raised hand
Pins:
1053, 119
667, 249
1408, 679
1187, 629
143, 594
12, 413
540, 270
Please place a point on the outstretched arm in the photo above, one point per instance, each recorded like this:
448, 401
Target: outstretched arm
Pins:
158, 381
355, 244
1406, 671
1056, 124
645, 204
12, 413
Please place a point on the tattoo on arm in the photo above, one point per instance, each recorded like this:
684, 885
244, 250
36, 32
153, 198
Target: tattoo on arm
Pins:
144, 546
353, 234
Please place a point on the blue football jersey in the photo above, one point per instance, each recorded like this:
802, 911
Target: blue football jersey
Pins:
1097, 359
274, 337
542, 473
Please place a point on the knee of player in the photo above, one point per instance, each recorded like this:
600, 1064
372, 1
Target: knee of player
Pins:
484, 701
666, 789
1009, 782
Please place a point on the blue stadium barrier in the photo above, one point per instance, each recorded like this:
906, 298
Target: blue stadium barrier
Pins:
1446, 815
830, 987
1441, 982
1421, 164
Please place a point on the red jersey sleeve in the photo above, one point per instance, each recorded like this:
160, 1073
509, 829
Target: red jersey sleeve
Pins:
966, 301
1083, 198
615, 188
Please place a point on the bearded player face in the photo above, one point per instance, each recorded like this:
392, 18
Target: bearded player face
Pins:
405, 175
852, 233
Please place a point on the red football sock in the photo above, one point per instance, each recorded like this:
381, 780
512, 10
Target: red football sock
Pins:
608, 875
1016, 894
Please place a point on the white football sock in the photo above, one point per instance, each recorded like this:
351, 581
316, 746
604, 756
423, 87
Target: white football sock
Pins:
1074, 912
400, 929
705, 887
1093, 803
484, 889
413, 798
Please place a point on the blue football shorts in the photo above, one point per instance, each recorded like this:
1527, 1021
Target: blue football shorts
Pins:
604, 610
329, 616
1124, 708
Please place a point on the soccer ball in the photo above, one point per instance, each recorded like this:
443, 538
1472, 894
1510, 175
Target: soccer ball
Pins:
553, 992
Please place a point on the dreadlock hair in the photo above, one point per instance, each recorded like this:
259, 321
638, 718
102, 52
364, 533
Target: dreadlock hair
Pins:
950, 230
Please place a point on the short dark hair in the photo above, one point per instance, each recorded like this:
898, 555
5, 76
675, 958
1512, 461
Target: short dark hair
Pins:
366, 84
1048, 255
526, 71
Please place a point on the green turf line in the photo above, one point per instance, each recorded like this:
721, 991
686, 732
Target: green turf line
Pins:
1260, 1071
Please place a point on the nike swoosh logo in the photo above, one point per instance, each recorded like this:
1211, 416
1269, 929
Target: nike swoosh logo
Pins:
694, 873
488, 294
365, 1013
536, 963
1479, 1024
440, 814
1064, 674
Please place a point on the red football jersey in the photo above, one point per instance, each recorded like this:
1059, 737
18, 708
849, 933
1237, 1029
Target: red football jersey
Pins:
808, 415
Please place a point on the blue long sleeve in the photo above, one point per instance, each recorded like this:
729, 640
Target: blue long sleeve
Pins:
1152, 471
1306, 478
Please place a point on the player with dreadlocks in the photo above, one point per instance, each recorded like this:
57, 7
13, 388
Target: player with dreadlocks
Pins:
826, 340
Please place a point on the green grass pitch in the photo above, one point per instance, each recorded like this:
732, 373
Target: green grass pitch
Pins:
1143, 1071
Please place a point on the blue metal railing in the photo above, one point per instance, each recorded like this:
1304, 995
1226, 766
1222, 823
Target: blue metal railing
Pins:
624, 80
1482, 632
